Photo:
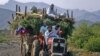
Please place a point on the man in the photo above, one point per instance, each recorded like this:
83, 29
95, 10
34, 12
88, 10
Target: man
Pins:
47, 33
43, 28
55, 30
51, 12
19, 29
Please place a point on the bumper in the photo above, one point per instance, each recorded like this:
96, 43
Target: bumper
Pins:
57, 54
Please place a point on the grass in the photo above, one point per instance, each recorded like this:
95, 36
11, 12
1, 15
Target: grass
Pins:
3, 37
80, 52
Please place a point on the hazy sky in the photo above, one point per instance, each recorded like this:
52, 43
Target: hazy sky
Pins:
90, 5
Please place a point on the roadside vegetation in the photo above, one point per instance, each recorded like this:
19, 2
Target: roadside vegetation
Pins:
85, 40
3, 37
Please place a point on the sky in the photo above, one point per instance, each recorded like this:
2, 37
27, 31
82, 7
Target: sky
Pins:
90, 5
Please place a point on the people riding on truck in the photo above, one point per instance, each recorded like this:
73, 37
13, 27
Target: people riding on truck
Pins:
47, 33
56, 29
51, 33
43, 28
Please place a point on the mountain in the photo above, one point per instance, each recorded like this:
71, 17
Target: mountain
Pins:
78, 23
11, 5
85, 15
80, 15
97, 12
5, 15
7, 9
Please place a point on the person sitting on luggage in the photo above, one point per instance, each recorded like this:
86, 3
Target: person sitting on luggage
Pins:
50, 34
43, 28
51, 11
60, 33
55, 30
47, 33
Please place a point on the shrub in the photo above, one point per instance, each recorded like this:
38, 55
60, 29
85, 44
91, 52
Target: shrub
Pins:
93, 44
81, 35
3, 37
87, 37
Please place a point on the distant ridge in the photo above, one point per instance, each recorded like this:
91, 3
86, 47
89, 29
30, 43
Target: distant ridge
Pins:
5, 15
7, 9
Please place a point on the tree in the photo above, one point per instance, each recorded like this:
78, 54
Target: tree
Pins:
81, 35
87, 37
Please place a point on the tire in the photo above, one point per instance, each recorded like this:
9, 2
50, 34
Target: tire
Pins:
65, 54
35, 48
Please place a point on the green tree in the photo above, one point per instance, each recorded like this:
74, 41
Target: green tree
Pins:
81, 34
87, 37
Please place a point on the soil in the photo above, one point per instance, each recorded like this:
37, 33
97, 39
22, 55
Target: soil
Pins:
10, 49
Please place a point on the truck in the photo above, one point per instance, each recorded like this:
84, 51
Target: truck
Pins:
34, 45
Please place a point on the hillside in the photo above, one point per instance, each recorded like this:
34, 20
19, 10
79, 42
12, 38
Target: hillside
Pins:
7, 9
5, 15
97, 12
85, 15
11, 5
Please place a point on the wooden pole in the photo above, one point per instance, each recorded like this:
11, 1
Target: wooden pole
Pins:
43, 12
16, 7
68, 13
25, 10
71, 14
56, 11
12, 16
19, 9
9, 22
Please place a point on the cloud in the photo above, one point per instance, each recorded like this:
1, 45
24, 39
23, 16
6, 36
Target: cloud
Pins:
3, 1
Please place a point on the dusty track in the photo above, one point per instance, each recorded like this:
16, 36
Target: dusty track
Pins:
10, 49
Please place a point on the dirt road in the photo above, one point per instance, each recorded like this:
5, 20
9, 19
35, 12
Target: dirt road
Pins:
10, 49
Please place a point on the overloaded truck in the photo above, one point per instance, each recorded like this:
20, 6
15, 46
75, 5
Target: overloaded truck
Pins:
34, 44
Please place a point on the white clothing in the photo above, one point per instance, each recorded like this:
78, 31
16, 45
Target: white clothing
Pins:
51, 12
53, 27
43, 29
46, 36
50, 34
54, 30
52, 15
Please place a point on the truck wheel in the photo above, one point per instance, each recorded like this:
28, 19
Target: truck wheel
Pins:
65, 54
35, 48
